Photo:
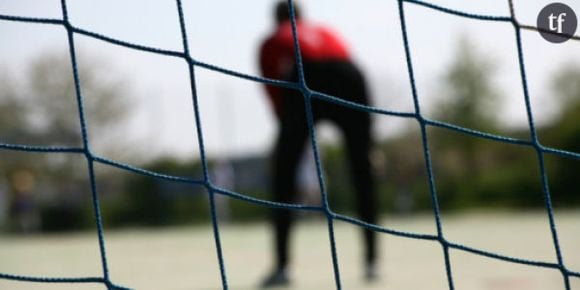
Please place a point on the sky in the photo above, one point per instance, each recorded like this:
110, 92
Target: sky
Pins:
236, 117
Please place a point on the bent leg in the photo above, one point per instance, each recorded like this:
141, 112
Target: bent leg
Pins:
356, 127
288, 151
358, 143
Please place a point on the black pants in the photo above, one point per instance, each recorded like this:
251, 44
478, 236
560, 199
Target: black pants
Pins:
339, 79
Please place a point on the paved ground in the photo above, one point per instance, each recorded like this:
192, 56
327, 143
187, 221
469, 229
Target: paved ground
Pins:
184, 257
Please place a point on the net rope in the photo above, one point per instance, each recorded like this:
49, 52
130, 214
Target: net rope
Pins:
308, 94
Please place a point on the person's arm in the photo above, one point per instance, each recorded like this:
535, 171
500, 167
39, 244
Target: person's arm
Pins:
269, 69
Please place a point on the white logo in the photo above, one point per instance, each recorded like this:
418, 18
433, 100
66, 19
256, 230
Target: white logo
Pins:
557, 22
558, 19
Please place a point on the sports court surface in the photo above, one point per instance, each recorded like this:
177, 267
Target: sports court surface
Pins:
185, 258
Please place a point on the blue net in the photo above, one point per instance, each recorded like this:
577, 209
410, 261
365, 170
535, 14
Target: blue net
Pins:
308, 94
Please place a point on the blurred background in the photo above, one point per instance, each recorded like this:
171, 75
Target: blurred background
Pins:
139, 111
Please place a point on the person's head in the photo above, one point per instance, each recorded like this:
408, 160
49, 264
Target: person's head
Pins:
282, 12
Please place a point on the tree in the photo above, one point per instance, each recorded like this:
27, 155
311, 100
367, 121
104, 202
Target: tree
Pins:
470, 95
470, 100
564, 133
10, 107
41, 109
566, 128
54, 115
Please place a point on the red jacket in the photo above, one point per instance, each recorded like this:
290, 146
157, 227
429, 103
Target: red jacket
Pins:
277, 52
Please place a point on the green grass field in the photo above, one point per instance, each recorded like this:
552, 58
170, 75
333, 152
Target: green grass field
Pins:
185, 258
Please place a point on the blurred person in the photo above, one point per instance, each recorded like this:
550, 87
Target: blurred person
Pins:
224, 176
3, 202
328, 68
24, 210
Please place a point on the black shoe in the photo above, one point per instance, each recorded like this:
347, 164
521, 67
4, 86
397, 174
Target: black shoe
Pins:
278, 278
371, 273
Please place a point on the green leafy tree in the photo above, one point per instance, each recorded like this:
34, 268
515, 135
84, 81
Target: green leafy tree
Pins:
51, 95
469, 99
40, 108
564, 133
